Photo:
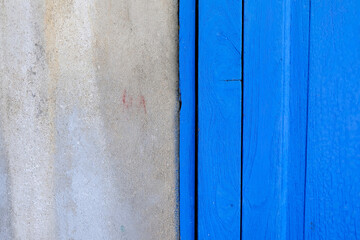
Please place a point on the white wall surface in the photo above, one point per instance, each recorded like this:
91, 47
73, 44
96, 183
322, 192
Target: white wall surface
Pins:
88, 119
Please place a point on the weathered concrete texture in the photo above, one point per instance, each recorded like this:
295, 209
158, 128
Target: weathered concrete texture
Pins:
88, 128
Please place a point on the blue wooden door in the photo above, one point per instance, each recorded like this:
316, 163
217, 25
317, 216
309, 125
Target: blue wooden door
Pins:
219, 119
275, 118
301, 164
332, 199
276, 121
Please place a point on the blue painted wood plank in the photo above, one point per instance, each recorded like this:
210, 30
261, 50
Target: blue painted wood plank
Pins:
187, 117
219, 119
333, 160
275, 97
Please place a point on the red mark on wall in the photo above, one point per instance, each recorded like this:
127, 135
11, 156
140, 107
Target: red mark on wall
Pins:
127, 101
124, 97
143, 103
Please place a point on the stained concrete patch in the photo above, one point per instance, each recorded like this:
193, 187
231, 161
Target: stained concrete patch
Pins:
88, 119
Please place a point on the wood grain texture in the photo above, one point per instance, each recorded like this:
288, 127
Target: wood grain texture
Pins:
333, 162
187, 117
275, 97
219, 119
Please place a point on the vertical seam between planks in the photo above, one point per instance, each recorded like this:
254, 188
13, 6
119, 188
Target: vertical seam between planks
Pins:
242, 114
196, 117
307, 119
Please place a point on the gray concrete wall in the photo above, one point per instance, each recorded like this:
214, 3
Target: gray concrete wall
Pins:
88, 119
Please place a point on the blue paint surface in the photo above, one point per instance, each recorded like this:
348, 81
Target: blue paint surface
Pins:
275, 100
301, 149
187, 118
219, 119
333, 159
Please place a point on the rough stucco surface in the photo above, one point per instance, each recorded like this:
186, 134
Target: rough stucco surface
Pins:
88, 119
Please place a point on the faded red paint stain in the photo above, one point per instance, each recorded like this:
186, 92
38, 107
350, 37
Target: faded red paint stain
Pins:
124, 97
126, 100
143, 103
